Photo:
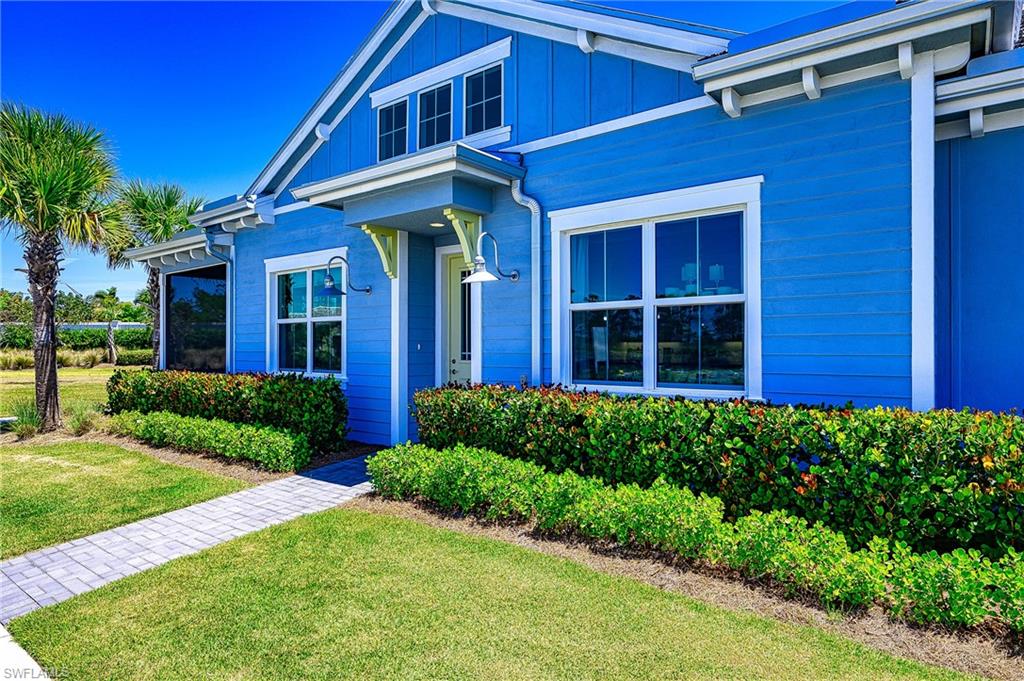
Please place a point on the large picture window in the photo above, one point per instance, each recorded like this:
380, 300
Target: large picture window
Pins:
308, 329
661, 293
195, 319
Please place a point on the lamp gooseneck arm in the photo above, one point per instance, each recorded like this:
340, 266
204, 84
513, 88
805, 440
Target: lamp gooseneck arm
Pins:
348, 279
513, 275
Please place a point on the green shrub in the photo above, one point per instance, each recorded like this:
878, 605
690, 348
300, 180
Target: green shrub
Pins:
273, 449
313, 407
127, 357
935, 480
19, 337
960, 589
28, 422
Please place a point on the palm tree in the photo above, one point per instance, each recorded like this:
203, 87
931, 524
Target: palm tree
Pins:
55, 178
155, 213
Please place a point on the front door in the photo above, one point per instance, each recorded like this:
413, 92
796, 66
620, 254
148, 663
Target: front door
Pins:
458, 322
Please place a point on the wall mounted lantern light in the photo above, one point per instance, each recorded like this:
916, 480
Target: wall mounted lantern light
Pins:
480, 273
330, 289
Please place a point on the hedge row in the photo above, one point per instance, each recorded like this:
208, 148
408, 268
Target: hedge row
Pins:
962, 588
134, 357
313, 407
19, 337
936, 480
270, 448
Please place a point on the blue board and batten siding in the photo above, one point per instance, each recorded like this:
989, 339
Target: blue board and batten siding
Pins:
979, 257
549, 88
835, 225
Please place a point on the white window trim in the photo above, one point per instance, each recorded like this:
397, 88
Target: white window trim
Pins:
427, 80
304, 262
376, 128
451, 114
465, 104
742, 194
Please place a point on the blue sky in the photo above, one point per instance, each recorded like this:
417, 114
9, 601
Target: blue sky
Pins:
202, 94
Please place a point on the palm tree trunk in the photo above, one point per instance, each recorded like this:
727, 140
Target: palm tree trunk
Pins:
41, 254
153, 285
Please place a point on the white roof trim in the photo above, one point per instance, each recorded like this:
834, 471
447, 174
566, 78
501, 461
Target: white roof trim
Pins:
911, 12
1003, 120
176, 251
245, 212
663, 46
409, 169
978, 92
335, 89
471, 61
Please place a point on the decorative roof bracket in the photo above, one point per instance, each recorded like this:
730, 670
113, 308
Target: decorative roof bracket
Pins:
386, 241
467, 228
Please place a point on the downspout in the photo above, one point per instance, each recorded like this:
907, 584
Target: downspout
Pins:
535, 278
230, 331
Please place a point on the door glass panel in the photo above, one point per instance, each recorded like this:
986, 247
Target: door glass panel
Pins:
292, 346
465, 320
607, 346
291, 295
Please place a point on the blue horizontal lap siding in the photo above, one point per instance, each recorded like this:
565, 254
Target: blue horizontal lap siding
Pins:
835, 217
368, 341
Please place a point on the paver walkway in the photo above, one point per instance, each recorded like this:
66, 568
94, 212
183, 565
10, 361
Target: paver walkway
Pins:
57, 573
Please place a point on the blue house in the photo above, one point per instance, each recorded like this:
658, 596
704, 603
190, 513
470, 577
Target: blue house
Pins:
829, 210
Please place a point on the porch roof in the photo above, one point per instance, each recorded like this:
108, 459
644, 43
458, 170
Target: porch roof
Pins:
453, 164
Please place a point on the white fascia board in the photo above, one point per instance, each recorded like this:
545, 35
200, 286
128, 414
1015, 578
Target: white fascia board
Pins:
472, 61
847, 49
166, 248
204, 217
614, 124
418, 167
868, 26
979, 84
994, 122
674, 39
312, 118
242, 213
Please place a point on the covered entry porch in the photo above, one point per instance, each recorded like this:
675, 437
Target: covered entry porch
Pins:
434, 218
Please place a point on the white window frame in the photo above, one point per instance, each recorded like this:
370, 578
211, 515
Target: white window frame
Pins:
740, 195
376, 127
465, 102
229, 330
304, 262
451, 113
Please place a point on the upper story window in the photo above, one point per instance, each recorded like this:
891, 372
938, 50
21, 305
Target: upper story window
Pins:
483, 100
435, 111
392, 128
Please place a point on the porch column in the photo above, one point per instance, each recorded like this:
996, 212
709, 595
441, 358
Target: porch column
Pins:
400, 339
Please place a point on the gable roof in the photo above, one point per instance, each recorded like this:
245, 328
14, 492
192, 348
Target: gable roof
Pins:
659, 41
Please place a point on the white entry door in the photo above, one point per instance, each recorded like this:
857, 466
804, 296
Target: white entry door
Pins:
458, 322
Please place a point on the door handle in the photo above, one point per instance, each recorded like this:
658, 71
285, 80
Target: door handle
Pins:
453, 361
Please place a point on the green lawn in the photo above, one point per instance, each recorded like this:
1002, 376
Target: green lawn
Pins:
76, 386
56, 492
356, 595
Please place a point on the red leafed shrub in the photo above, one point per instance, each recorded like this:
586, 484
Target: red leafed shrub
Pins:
935, 480
313, 407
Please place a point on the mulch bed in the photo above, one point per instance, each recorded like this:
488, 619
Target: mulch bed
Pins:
982, 653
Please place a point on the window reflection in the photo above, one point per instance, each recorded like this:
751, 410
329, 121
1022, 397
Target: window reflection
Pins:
326, 346
291, 295
607, 346
291, 345
700, 346
196, 319
325, 306
699, 256
607, 265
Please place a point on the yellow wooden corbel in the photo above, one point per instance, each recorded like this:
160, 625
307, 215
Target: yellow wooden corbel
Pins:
386, 241
467, 228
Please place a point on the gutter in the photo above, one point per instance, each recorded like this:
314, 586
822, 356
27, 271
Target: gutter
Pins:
535, 278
